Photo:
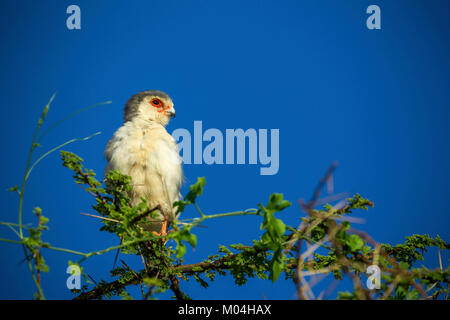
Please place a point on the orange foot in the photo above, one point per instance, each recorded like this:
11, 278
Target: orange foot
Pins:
163, 230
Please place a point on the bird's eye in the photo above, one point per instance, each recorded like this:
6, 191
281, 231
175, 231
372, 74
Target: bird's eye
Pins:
156, 102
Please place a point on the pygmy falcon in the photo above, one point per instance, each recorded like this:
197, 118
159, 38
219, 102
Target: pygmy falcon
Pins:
144, 150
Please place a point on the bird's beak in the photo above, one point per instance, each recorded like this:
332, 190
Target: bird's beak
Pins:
171, 112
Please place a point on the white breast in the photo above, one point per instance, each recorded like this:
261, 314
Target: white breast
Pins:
151, 157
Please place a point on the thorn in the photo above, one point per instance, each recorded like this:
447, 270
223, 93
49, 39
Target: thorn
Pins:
440, 260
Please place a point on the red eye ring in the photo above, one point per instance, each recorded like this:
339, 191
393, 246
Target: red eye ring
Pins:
159, 105
156, 103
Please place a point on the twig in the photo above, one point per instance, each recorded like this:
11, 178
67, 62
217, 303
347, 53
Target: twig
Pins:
316, 194
143, 215
175, 287
99, 217
136, 275
299, 278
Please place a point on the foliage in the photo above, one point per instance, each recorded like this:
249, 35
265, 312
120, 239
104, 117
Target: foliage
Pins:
333, 246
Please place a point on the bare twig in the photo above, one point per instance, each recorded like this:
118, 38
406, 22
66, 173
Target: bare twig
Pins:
99, 217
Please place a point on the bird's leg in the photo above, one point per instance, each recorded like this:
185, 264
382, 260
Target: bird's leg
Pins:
163, 229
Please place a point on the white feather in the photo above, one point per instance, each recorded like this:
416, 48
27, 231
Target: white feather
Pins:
144, 150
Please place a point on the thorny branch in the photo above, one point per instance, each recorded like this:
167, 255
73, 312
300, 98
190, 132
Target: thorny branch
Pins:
298, 253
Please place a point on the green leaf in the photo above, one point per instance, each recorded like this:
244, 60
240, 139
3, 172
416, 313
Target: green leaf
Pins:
181, 250
153, 282
37, 211
195, 190
279, 227
276, 202
277, 264
347, 296
181, 236
13, 189
355, 243
412, 295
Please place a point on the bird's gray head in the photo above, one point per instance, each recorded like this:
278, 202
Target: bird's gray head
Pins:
149, 106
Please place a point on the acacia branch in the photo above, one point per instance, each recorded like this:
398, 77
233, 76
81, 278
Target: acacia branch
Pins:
187, 269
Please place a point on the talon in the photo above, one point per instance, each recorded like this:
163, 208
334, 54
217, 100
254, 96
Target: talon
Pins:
163, 230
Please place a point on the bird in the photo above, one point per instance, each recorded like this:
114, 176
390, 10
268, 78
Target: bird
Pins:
143, 149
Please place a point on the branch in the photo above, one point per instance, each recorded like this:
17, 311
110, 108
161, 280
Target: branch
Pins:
187, 269
175, 287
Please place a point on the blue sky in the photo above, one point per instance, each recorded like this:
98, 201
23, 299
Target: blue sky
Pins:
377, 101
